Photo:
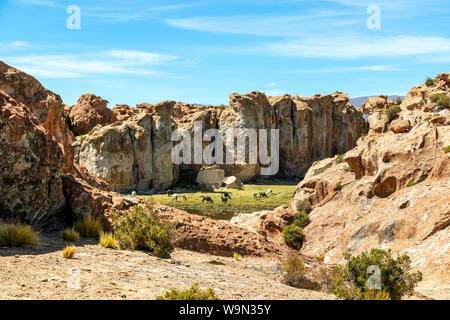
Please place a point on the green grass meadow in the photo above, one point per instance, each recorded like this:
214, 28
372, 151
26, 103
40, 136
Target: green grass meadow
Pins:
242, 201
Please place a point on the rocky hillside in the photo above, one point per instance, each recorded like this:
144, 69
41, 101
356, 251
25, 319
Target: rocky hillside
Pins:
390, 191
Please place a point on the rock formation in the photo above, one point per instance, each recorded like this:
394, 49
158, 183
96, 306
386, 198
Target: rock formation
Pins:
84, 199
124, 112
36, 150
89, 112
390, 191
120, 154
45, 105
310, 129
31, 164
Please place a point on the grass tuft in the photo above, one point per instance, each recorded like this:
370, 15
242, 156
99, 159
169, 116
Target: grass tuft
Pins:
89, 227
17, 235
194, 293
70, 235
237, 256
69, 252
107, 240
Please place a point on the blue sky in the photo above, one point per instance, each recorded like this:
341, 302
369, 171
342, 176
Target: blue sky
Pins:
201, 51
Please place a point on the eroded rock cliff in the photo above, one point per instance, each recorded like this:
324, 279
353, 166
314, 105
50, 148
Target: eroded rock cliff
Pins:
31, 164
309, 129
45, 105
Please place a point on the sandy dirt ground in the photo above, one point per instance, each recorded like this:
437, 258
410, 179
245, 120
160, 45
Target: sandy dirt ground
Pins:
43, 273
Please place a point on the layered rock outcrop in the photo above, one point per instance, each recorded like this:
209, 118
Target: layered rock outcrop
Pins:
89, 112
45, 105
31, 164
121, 153
134, 154
309, 129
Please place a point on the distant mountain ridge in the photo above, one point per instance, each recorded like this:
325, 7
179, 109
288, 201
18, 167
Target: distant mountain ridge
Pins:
358, 101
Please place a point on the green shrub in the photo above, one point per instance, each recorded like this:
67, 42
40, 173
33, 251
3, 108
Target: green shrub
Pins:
338, 186
194, 293
396, 280
330, 276
339, 159
237, 256
301, 219
376, 295
399, 101
70, 235
410, 183
393, 111
293, 270
429, 82
17, 235
319, 171
91, 132
89, 226
82, 139
293, 235
447, 149
140, 228
349, 169
304, 206
441, 100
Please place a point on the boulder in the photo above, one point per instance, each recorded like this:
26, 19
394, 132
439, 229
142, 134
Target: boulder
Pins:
375, 104
31, 164
218, 237
212, 177
89, 112
232, 183
400, 125
123, 112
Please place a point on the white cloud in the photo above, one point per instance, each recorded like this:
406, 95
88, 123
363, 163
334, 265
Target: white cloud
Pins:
358, 47
275, 92
80, 65
45, 3
140, 57
278, 26
346, 69
14, 45
114, 13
